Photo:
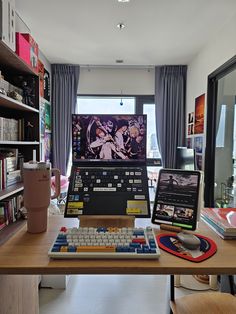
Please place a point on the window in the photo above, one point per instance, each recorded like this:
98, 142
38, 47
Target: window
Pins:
128, 105
106, 105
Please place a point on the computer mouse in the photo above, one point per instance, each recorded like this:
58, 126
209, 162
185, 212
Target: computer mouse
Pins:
188, 240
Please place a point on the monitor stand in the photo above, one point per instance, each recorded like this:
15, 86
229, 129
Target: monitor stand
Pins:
107, 221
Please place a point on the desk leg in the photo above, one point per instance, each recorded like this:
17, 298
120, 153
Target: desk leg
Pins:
171, 291
19, 294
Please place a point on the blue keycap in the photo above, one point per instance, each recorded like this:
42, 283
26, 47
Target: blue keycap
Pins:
61, 236
153, 251
135, 245
71, 248
56, 249
138, 232
132, 249
139, 251
101, 229
152, 245
61, 243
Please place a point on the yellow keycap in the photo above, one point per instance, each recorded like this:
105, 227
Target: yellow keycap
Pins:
112, 229
63, 249
95, 249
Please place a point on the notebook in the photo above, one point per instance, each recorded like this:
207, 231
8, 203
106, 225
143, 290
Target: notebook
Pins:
108, 175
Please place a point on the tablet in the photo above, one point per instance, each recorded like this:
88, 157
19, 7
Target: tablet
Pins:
176, 201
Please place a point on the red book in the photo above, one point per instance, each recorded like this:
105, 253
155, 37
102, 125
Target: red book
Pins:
222, 217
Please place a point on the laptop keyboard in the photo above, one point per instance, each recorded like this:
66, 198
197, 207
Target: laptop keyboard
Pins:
105, 242
108, 179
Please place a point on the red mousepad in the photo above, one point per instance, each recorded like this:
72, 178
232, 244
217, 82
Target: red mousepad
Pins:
170, 243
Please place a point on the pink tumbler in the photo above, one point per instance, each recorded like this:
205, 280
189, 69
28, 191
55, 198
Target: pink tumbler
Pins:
37, 193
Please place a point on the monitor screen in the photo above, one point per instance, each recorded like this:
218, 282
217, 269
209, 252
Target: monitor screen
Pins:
109, 138
185, 158
176, 201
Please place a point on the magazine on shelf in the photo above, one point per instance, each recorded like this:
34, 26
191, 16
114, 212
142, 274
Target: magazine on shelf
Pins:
220, 217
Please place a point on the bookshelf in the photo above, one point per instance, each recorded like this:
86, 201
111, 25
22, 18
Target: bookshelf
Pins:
13, 68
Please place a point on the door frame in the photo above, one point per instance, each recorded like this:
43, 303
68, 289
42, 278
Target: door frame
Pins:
212, 89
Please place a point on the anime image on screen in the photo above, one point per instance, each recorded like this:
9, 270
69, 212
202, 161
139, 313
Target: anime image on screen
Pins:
108, 137
176, 200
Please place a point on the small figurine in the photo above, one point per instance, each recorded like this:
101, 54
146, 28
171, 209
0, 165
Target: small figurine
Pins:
29, 136
27, 94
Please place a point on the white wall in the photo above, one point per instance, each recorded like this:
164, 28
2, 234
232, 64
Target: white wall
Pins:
219, 50
108, 80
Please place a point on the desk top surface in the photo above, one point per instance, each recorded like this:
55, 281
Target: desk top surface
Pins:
27, 253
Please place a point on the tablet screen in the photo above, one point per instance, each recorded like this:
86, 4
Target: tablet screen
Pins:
176, 201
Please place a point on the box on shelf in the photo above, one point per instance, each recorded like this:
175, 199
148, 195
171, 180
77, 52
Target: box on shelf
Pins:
27, 49
23, 48
34, 52
7, 22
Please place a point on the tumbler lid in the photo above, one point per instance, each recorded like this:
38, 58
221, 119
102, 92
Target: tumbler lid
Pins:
34, 165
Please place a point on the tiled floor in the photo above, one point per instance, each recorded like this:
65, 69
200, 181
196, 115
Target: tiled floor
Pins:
101, 294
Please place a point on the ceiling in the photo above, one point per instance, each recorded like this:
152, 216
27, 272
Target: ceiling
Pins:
157, 31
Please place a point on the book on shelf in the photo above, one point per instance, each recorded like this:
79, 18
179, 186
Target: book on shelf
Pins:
218, 218
2, 217
10, 210
10, 167
8, 129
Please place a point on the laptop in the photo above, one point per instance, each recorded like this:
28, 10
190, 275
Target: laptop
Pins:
108, 174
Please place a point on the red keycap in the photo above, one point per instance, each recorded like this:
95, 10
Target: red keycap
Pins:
63, 229
139, 240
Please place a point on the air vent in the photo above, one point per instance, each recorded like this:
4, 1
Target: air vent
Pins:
119, 61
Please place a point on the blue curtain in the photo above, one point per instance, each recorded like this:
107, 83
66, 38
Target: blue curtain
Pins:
170, 100
65, 79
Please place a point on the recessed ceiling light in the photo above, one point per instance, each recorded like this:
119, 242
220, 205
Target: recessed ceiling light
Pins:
120, 25
123, 0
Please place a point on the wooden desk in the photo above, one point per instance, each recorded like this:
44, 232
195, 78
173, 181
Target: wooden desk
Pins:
26, 253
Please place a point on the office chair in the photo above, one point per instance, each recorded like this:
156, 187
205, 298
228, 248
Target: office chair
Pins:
207, 303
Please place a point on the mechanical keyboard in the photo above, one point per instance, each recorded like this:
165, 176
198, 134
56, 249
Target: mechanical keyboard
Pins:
105, 242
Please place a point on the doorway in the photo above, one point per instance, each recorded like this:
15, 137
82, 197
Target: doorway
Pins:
220, 156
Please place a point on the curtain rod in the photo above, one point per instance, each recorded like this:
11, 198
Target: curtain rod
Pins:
147, 67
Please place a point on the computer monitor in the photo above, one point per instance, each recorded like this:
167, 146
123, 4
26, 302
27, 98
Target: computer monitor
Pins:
185, 158
177, 197
109, 138
108, 174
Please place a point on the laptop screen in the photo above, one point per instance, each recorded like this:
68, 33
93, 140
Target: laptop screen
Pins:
109, 138
176, 201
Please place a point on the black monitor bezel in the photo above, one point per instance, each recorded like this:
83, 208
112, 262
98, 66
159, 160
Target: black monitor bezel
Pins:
182, 165
169, 222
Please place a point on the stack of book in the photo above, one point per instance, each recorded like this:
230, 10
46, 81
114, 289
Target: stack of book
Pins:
10, 210
10, 167
219, 220
8, 129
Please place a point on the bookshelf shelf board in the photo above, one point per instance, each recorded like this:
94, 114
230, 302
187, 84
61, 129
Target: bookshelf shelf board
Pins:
11, 103
10, 60
11, 190
18, 143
